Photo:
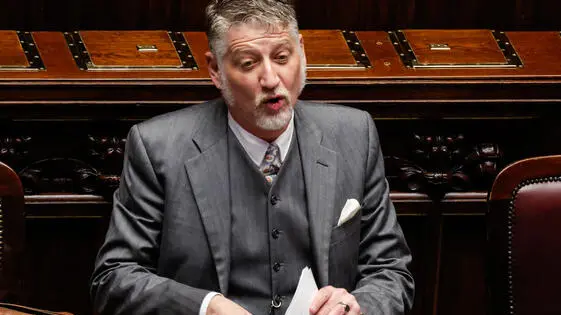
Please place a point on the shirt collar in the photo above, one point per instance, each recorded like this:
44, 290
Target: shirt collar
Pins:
255, 146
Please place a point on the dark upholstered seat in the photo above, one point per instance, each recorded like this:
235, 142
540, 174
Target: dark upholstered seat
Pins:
524, 238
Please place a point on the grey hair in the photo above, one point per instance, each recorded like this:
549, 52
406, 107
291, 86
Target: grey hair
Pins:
221, 15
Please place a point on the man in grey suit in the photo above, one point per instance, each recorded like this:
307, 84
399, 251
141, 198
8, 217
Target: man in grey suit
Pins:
221, 205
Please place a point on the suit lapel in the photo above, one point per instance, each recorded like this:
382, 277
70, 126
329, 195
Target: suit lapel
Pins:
320, 169
208, 176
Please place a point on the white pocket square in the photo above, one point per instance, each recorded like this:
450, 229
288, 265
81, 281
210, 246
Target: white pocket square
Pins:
349, 210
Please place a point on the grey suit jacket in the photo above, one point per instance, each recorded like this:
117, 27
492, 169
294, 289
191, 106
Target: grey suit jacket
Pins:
168, 241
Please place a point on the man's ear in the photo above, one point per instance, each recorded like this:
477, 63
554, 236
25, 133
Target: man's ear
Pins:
213, 70
301, 42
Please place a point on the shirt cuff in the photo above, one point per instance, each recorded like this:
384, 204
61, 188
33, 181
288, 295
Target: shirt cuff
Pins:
206, 302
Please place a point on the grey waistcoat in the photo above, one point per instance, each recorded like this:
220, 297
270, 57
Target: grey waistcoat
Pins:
270, 233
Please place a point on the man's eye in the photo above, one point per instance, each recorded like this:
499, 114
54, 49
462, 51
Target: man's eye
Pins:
282, 58
247, 64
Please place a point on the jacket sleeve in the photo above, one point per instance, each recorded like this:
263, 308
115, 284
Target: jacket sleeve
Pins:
124, 279
385, 285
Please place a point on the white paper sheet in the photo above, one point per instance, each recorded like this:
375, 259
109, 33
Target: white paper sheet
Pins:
305, 292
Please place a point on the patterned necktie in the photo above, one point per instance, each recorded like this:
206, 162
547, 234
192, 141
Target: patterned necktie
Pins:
271, 163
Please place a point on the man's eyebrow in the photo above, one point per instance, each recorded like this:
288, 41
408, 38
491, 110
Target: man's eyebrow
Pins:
284, 42
236, 50
241, 51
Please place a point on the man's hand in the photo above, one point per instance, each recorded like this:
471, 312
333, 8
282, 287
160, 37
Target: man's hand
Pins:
334, 301
219, 305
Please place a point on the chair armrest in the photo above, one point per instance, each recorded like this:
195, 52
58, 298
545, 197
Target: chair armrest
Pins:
15, 309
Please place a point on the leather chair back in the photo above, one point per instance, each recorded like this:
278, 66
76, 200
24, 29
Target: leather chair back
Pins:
524, 238
11, 233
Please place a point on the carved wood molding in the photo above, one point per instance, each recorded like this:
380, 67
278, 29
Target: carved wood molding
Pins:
59, 175
107, 152
13, 149
441, 164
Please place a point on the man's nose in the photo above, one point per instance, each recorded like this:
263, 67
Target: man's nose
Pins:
269, 77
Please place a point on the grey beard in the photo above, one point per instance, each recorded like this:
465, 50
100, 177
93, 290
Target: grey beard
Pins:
276, 122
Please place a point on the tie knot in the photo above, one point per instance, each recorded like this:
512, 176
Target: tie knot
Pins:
271, 163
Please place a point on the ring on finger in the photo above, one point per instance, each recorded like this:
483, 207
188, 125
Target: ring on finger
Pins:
346, 306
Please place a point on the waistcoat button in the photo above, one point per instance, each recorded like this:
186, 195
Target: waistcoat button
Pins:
274, 199
276, 267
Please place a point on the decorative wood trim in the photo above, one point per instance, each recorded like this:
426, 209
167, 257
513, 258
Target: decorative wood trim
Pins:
440, 164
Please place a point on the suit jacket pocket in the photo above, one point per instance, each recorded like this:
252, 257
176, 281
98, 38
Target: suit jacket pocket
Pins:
343, 254
347, 229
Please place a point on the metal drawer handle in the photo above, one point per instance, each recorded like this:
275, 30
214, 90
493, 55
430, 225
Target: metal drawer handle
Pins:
439, 47
146, 48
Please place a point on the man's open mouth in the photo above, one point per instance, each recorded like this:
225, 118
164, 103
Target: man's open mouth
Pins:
274, 103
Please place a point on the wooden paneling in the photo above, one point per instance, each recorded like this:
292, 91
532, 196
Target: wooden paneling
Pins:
120, 49
461, 289
60, 258
312, 14
335, 50
12, 52
464, 47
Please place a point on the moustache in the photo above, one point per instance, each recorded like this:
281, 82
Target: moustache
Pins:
267, 98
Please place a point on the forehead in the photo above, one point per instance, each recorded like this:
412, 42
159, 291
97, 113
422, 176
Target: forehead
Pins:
247, 35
